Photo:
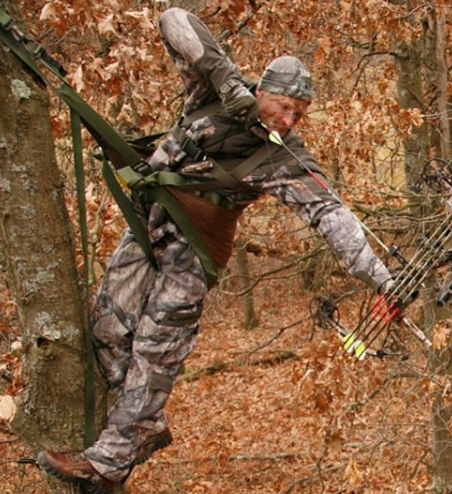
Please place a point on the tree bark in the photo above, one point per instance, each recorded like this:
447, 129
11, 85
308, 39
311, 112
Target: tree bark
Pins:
441, 437
434, 57
250, 319
442, 72
410, 95
38, 252
426, 55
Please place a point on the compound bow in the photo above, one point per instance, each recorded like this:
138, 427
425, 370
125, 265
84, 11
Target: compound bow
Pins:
386, 315
388, 308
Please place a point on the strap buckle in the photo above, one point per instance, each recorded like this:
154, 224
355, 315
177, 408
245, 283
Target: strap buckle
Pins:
194, 151
15, 31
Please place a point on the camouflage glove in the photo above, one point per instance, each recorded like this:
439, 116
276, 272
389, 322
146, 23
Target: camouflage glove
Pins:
238, 102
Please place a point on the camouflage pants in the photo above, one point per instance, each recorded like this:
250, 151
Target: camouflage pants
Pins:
146, 323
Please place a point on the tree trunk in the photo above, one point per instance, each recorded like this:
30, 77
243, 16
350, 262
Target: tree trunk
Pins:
410, 94
243, 266
437, 74
440, 419
443, 117
440, 364
428, 52
37, 247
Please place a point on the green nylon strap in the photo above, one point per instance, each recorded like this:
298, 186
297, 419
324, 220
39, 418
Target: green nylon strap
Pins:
90, 394
134, 222
5, 19
133, 180
251, 163
16, 47
106, 136
103, 132
26, 49
80, 181
222, 178
152, 188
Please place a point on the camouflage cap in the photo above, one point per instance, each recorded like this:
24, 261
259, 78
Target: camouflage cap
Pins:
288, 76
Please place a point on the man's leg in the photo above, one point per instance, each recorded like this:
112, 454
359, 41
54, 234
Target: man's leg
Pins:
116, 315
118, 308
146, 322
165, 335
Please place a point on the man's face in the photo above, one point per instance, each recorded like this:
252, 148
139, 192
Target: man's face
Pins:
279, 112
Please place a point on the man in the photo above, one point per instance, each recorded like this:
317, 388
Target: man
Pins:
147, 317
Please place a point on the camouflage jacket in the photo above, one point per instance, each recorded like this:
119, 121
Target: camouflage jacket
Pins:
204, 67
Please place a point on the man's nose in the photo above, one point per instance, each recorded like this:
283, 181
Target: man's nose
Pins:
288, 119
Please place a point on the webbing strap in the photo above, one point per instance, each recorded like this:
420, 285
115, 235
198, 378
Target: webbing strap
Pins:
222, 178
108, 137
80, 180
231, 180
16, 46
250, 164
151, 188
90, 393
136, 225
105, 135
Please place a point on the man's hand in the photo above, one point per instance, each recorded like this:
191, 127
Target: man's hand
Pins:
400, 291
238, 101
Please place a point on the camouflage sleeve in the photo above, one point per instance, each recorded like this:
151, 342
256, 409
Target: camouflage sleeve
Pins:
201, 62
334, 222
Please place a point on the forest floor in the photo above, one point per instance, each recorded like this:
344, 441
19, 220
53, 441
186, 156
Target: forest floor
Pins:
275, 410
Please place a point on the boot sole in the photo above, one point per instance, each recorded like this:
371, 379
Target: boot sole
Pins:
88, 486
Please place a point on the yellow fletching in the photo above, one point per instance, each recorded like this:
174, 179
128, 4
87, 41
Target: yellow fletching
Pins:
348, 341
274, 137
360, 350
353, 345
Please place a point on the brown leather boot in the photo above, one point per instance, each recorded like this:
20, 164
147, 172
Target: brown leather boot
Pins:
76, 469
152, 444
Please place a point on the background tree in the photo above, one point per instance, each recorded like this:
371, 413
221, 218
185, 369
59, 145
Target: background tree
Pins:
40, 268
